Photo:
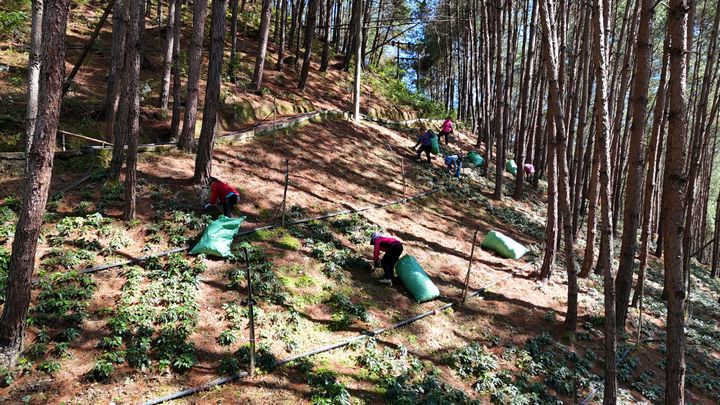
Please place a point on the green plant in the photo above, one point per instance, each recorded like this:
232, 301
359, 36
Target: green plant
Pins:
6, 377
325, 389
345, 312
229, 365
13, 24
101, 371
472, 361
49, 367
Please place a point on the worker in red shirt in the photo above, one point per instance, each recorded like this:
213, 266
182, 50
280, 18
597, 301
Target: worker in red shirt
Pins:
393, 248
224, 194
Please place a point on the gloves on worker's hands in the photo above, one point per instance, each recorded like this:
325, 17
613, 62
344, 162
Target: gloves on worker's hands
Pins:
207, 206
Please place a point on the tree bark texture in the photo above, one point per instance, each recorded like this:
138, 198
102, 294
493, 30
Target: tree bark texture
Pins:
37, 185
674, 194
203, 160
187, 136
256, 83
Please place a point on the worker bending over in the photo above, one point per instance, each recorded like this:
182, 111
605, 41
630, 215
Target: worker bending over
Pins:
393, 248
224, 194
425, 143
453, 163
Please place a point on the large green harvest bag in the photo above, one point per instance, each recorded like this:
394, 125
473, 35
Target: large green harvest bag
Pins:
511, 166
218, 237
475, 159
505, 246
434, 145
416, 280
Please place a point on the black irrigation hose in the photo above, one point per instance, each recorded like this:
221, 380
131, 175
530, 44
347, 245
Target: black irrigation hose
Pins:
343, 343
262, 228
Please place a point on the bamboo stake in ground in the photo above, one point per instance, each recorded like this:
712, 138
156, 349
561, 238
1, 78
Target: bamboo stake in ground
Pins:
287, 180
250, 312
402, 167
467, 276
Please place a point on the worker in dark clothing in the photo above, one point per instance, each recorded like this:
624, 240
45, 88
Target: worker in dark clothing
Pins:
222, 193
393, 248
453, 163
425, 144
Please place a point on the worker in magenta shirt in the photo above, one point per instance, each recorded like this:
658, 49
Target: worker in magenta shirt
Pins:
393, 248
446, 129
224, 194
529, 171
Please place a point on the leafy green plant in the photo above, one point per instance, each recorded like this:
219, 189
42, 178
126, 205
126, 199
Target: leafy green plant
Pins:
6, 377
345, 312
49, 367
101, 371
472, 361
13, 24
325, 389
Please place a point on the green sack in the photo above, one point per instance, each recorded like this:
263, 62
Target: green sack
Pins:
434, 145
475, 159
505, 246
511, 166
218, 237
416, 280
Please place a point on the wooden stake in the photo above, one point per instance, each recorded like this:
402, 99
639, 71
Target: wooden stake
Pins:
467, 276
287, 180
402, 167
250, 312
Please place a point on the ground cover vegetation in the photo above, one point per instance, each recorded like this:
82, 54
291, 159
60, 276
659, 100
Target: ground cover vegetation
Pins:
613, 104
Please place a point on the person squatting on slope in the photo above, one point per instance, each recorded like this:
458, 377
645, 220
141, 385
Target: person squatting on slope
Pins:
446, 129
425, 144
223, 193
529, 171
393, 248
453, 164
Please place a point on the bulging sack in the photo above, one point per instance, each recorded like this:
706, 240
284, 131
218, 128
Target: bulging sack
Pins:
218, 237
416, 280
504, 245
511, 166
434, 145
475, 159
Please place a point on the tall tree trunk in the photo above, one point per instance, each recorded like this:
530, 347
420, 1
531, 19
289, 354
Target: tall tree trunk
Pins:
187, 136
296, 44
132, 95
674, 194
357, 5
326, 44
233, 36
310, 23
633, 195
120, 128
603, 133
656, 143
168, 55
551, 223
281, 46
37, 185
256, 83
555, 103
497, 119
203, 160
525, 107
177, 83
34, 62
119, 28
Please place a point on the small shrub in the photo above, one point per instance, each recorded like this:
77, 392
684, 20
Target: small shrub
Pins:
325, 389
101, 371
472, 361
345, 312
